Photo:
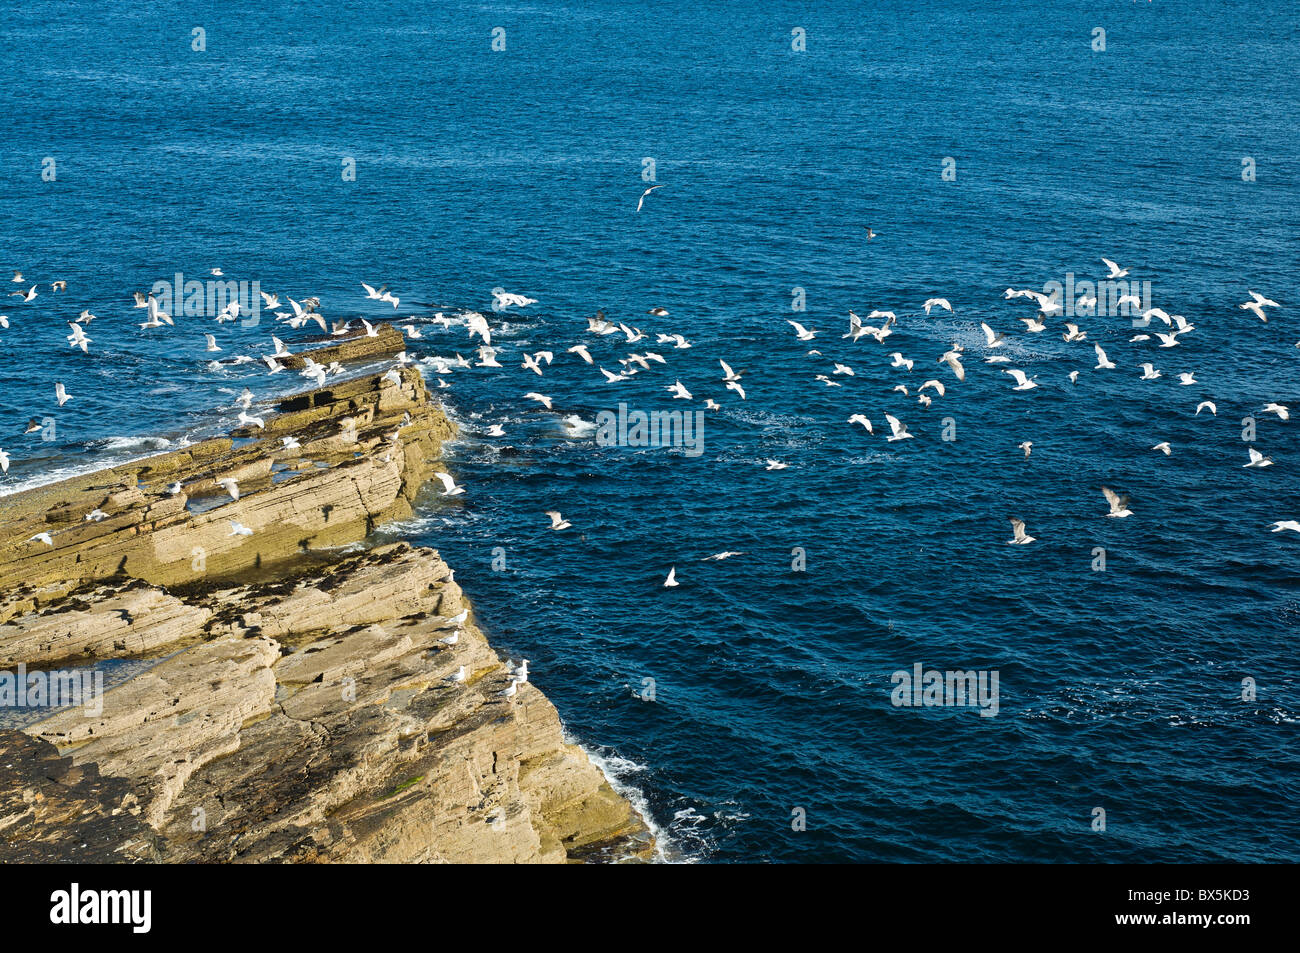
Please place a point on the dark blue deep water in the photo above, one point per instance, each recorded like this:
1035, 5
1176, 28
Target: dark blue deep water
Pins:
1119, 689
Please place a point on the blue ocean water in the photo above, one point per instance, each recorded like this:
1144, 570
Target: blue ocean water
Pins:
521, 168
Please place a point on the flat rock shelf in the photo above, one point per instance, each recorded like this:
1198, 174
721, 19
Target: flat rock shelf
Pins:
292, 697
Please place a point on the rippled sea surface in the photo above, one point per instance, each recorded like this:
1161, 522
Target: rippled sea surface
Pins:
1119, 689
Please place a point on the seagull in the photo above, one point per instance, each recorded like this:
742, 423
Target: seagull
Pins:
1293, 525
1022, 382
270, 362
827, 381
1035, 325
861, 419
17, 278
1163, 447
475, 323
157, 316
42, 538
937, 303
735, 385
678, 391
1187, 379
775, 465
25, 295
239, 529
671, 581
451, 639
1207, 403
496, 430
718, 557
61, 394
1168, 340
992, 339
78, 338
728, 373
459, 675
899, 429
1115, 270
510, 692
246, 420
1047, 305
711, 404
658, 312
212, 343
953, 360
230, 486
1074, 377
1026, 446
449, 485
937, 385
1256, 306
175, 488
95, 515
870, 233
1072, 333
1279, 409
558, 522
900, 361
1118, 504
1102, 361
290, 443
1149, 373
504, 299
582, 352
540, 398
459, 617
612, 378
641, 200
4, 462
1257, 460
1018, 533
487, 357
803, 333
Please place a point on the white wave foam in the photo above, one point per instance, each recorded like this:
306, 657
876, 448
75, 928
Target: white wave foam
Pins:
618, 771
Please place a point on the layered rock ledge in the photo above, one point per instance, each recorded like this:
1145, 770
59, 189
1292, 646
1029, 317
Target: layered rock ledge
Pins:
300, 697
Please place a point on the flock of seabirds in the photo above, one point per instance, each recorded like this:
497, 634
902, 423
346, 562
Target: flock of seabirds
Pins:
539, 363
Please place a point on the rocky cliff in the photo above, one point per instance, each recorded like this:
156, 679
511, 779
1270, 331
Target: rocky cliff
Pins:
301, 697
